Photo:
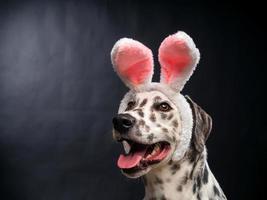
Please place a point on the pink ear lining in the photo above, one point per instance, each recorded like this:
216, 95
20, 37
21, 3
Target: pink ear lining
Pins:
174, 56
137, 73
133, 62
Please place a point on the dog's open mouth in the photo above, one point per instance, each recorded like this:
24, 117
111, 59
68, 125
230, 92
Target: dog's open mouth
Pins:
139, 156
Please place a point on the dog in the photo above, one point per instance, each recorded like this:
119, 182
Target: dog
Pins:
163, 133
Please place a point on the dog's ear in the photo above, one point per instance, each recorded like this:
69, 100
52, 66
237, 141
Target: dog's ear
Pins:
201, 127
178, 57
133, 62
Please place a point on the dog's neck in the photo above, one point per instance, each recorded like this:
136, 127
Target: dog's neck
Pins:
181, 180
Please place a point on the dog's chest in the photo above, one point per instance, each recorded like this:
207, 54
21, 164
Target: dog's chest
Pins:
177, 182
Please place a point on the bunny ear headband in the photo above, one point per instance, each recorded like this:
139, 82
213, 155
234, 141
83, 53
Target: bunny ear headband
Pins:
133, 61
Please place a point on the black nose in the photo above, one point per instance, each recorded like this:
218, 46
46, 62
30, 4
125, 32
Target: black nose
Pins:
123, 122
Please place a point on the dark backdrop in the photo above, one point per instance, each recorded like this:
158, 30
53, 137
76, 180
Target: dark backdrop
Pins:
58, 93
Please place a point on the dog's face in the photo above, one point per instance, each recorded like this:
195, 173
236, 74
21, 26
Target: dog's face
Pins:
154, 122
148, 126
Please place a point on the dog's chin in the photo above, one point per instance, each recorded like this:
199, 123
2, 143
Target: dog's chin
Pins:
136, 173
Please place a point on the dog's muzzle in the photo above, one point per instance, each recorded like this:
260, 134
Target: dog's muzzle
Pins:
123, 123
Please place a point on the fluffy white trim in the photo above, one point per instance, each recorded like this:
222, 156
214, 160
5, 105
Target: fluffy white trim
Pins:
187, 126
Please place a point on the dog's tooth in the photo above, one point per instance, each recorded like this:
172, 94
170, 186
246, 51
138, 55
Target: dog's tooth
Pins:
126, 146
157, 147
155, 150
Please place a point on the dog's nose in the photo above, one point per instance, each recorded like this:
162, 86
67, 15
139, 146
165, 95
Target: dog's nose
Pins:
123, 122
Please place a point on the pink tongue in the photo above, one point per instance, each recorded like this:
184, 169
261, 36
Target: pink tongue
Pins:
131, 160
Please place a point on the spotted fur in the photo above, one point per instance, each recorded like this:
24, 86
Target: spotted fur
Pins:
188, 178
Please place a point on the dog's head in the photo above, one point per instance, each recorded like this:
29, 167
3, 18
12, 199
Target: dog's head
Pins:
156, 123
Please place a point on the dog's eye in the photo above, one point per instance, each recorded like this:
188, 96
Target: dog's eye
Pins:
130, 105
164, 107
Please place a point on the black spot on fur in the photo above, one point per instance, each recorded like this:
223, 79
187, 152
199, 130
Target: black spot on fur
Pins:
198, 196
175, 168
170, 116
141, 122
138, 133
205, 175
140, 113
163, 115
199, 182
194, 188
152, 117
216, 191
157, 98
185, 178
163, 197
147, 128
197, 159
173, 138
158, 180
143, 103
192, 155
158, 125
170, 162
150, 137
165, 130
131, 105
179, 188
175, 123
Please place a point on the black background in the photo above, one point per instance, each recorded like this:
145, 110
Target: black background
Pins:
58, 93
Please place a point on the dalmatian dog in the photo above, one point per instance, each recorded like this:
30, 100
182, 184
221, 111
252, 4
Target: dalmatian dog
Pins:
163, 133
